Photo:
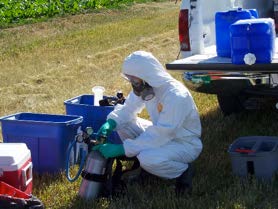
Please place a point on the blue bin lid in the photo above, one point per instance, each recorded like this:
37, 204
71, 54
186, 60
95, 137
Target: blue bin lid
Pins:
29, 117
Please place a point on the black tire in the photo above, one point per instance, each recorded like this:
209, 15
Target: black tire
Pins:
230, 104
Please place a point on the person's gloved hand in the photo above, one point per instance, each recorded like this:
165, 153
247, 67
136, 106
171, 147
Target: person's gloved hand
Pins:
110, 150
106, 129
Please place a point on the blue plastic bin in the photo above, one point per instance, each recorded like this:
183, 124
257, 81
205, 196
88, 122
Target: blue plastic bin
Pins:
46, 135
93, 116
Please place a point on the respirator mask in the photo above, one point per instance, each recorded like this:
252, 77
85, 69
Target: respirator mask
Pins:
140, 87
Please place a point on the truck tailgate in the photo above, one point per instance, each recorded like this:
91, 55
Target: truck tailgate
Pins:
209, 61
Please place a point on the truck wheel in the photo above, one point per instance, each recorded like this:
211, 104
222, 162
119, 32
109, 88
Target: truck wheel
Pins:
231, 103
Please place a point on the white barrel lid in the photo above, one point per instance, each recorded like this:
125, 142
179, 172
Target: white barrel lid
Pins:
13, 156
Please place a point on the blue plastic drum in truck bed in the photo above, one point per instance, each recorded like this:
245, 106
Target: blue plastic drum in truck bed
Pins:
254, 36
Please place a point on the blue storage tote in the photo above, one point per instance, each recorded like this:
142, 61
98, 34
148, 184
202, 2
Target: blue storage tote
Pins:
255, 36
223, 20
255, 155
47, 136
93, 116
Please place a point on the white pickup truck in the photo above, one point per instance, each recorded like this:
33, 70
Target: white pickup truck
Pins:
238, 87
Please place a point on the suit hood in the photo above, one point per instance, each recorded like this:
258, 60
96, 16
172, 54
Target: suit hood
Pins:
146, 67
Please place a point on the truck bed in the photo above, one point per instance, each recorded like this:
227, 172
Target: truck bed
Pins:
209, 61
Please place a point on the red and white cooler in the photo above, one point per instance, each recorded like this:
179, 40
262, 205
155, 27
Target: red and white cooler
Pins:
16, 166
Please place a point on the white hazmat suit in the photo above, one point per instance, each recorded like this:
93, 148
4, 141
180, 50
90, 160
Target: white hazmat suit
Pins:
165, 145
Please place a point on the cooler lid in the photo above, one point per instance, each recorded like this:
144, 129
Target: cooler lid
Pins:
13, 156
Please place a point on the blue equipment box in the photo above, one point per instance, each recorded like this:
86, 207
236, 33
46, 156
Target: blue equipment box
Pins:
47, 136
93, 116
255, 155
255, 36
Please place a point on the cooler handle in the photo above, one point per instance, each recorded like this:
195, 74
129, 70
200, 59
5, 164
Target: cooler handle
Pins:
27, 173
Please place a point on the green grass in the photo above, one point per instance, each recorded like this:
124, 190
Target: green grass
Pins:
43, 64
17, 12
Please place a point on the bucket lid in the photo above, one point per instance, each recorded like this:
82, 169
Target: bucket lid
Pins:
13, 156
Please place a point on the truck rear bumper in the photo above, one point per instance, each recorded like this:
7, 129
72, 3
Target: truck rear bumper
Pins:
230, 83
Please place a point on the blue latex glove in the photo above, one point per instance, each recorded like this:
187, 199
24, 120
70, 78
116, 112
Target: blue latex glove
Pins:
106, 129
110, 150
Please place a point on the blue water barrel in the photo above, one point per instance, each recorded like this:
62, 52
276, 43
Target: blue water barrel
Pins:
255, 36
223, 20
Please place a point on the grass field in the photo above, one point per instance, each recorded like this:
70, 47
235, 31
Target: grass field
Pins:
43, 64
17, 12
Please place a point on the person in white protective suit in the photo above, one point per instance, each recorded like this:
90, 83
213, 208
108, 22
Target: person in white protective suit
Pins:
166, 145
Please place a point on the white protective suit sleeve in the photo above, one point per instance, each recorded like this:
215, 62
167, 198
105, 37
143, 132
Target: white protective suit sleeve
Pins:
170, 120
127, 112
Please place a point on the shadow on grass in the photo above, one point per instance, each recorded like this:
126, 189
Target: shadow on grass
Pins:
137, 195
214, 184
214, 180
40, 181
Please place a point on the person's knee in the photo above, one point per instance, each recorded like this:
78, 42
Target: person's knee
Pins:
149, 161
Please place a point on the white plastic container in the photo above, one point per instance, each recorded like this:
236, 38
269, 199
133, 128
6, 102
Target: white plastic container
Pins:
98, 94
